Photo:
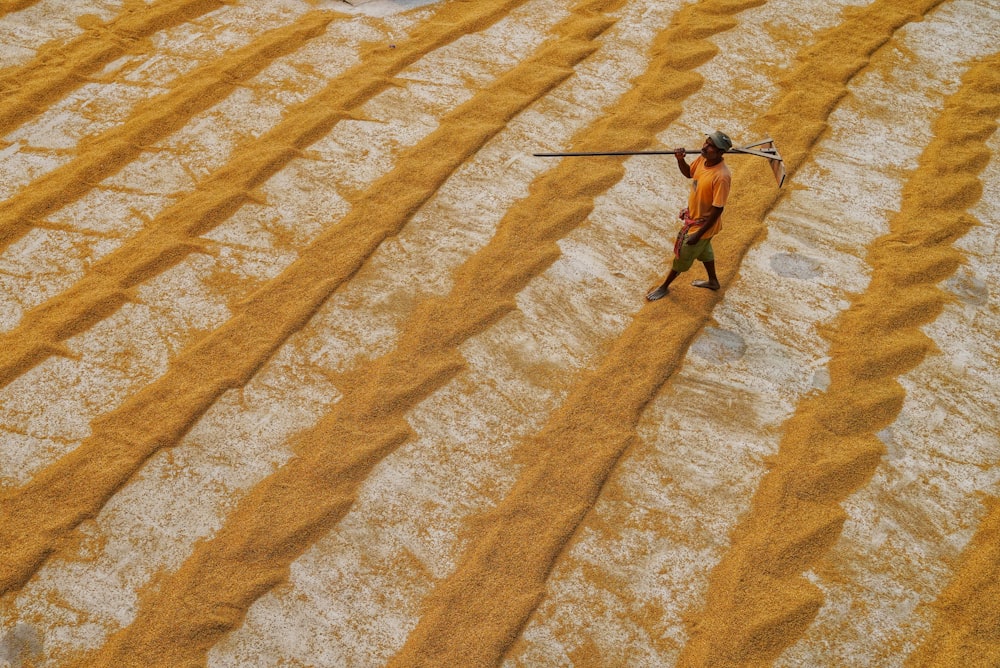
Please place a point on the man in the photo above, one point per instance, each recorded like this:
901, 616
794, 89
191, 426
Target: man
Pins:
703, 215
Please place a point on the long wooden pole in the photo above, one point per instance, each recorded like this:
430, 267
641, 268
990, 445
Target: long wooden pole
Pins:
769, 153
767, 150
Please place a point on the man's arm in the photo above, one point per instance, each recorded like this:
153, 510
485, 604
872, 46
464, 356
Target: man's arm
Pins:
682, 165
713, 215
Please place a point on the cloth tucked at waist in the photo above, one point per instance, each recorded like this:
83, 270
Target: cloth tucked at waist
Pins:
687, 223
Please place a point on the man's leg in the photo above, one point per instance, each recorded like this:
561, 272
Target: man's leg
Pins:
713, 281
662, 291
688, 253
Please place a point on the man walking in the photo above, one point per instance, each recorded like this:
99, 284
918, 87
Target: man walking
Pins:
702, 219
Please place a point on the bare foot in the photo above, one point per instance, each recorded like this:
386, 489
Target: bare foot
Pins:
705, 284
658, 293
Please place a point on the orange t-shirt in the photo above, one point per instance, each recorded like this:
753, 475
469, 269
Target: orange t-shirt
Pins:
709, 187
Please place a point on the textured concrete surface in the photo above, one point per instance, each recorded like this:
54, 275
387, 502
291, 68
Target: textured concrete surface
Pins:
300, 340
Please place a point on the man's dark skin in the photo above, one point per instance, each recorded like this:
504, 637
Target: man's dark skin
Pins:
713, 156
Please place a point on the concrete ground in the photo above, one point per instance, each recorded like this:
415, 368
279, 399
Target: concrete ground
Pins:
307, 360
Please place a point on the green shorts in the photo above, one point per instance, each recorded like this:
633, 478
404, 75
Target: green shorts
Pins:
701, 251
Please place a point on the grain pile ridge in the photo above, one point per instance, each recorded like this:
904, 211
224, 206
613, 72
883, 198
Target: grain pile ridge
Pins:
60, 67
759, 602
103, 155
122, 440
172, 234
967, 626
517, 545
307, 360
371, 430
15, 6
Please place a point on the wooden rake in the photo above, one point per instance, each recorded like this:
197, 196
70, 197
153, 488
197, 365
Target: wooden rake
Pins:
762, 149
